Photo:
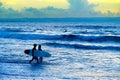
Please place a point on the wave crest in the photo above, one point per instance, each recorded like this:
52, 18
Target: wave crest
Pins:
63, 37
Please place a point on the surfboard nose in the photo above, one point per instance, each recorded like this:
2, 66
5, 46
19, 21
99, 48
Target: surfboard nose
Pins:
27, 51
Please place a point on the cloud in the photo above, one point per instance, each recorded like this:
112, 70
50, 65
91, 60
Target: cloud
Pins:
77, 8
83, 8
21, 4
106, 7
7, 13
80, 8
48, 12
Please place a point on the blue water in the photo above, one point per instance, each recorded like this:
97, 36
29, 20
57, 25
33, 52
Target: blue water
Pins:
81, 48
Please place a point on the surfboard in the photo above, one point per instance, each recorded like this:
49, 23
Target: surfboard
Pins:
37, 53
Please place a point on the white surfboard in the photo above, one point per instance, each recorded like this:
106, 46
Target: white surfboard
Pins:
37, 53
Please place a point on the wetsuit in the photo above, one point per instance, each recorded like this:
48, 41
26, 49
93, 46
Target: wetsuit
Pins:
36, 58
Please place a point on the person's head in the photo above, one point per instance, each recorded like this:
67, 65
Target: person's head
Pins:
35, 45
39, 47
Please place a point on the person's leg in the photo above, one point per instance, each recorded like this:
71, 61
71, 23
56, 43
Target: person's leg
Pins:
37, 59
31, 60
41, 59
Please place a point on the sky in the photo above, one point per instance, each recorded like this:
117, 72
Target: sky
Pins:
59, 8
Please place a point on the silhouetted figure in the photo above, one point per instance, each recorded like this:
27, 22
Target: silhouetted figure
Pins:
39, 48
36, 58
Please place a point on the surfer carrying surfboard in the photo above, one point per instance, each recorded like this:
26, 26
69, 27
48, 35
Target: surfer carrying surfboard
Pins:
36, 58
37, 54
39, 48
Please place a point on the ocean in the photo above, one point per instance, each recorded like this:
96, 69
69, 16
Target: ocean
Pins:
81, 48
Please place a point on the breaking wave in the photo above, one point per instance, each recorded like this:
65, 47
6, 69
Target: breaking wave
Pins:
82, 46
63, 37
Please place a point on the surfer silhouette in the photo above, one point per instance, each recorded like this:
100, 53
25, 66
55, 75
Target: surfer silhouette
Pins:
39, 48
36, 58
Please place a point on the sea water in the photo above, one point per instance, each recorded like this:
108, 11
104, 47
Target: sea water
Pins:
81, 48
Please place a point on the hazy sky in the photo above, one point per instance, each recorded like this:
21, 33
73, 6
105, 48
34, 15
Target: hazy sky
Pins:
59, 8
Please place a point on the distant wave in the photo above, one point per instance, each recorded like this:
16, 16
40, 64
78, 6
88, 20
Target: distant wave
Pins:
81, 46
97, 19
63, 37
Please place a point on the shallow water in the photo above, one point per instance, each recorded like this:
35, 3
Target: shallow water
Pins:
80, 51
